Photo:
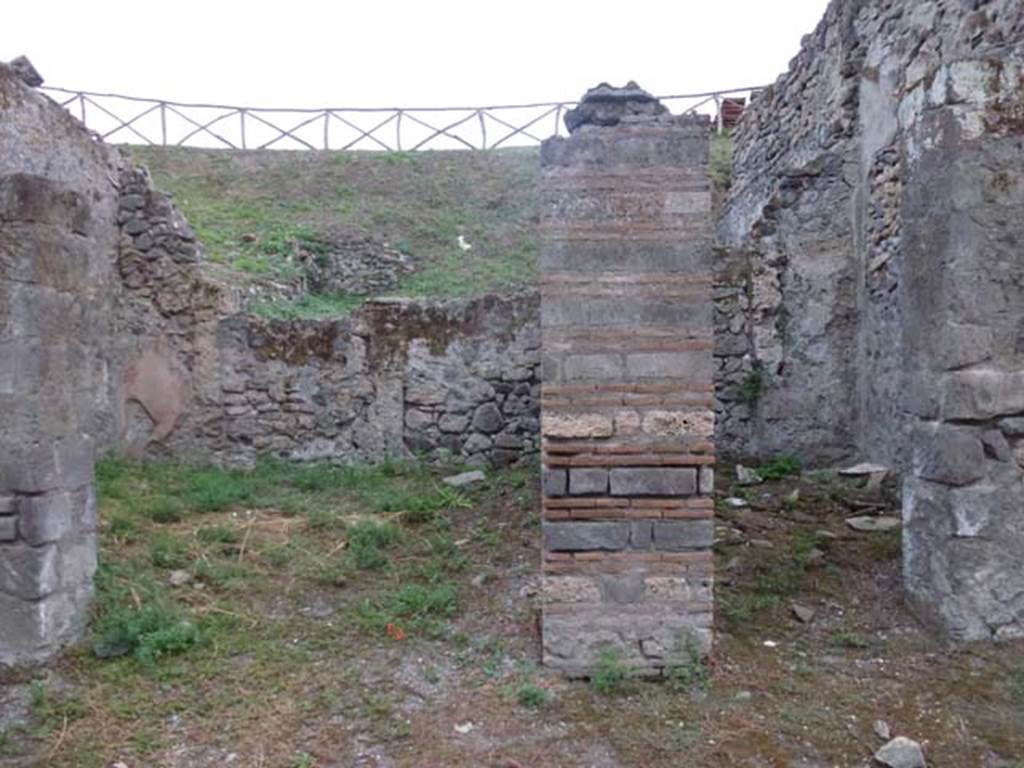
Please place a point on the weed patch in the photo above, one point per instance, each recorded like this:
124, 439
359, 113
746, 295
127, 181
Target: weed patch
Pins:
776, 469
610, 674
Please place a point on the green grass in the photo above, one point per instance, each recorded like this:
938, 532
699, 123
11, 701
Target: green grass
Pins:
778, 468
311, 307
610, 673
687, 670
254, 211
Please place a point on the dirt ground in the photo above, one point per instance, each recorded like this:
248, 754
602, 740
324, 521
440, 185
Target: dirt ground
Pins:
299, 665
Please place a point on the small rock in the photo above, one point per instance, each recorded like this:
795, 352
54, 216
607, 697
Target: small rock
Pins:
762, 544
464, 728
735, 502
179, 578
864, 468
901, 752
770, 644
747, 476
744, 696
882, 731
803, 613
464, 479
479, 580
825, 535
868, 524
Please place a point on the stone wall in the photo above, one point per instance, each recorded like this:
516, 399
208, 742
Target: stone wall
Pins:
627, 394
872, 253
57, 199
205, 380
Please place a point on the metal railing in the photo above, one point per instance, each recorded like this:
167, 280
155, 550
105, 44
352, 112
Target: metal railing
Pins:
135, 120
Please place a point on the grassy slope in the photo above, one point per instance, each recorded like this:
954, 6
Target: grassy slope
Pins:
248, 209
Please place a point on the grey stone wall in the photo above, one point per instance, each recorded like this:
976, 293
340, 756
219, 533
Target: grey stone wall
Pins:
57, 199
203, 379
869, 282
626, 317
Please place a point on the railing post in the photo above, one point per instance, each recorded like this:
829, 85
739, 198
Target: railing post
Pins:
241, 120
398, 131
719, 118
163, 124
327, 127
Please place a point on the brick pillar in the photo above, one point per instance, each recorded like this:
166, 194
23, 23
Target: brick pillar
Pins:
627, 401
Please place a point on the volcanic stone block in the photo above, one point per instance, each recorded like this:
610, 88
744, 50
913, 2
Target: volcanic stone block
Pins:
674, 535
584, 536
640, 534
556, 482
948, 454
8, 528
653, 481
588, 481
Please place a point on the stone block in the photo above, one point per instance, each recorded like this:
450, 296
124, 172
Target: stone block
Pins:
982, 394
653, 481
706, 481
487, 419
622, 588
556, 482
576, 425
947, 454
674, 535
571, 589
661, 423
476, 443
8, 505
609, 367
453, 423
416, 419
28, 573
640, 534
687, 366
32, 631
588, 481
77, 561
8, 528
586, 536
45, 518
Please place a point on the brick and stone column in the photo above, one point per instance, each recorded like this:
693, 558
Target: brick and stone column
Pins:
627, 409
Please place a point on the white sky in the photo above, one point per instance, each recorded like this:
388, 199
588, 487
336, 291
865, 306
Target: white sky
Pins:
303, 53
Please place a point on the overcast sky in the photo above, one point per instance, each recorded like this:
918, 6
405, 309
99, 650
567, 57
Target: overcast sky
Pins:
302, 53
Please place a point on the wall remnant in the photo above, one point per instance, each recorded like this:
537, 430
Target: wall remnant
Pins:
870, 299
627, 395
56, 248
